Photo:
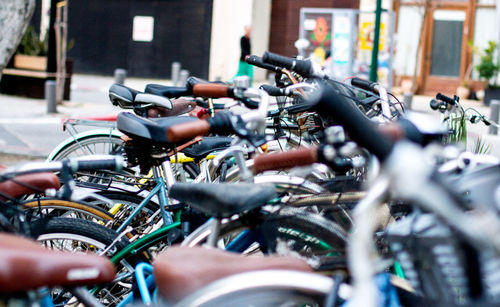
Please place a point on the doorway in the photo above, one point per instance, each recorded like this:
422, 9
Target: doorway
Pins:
445, 51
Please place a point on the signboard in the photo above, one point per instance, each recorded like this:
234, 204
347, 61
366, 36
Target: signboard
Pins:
317, 29
143, 28
366, 33
347, 36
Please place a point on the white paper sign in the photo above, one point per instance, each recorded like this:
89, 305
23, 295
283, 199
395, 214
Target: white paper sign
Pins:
143, 28
309, 24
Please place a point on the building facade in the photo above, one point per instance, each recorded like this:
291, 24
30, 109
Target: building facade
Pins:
450, 28
146, 36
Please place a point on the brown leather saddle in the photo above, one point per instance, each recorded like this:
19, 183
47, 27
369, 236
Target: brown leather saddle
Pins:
25, 265
181, 270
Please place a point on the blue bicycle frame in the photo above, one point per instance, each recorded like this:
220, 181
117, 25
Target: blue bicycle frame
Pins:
160, 189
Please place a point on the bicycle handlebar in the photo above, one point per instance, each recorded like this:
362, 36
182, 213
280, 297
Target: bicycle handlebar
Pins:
446, 99
96, 162
284, 160
367, 85
212, 90
302, 67
359, 127
434, 104
188, 130
274, 90
257, 61
86, 163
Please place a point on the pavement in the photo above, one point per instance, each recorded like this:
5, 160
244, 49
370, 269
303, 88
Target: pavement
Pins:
28, 131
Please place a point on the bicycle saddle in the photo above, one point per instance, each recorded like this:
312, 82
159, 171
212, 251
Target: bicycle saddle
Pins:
182, 270
148, 129
223, 200
23, 184
128, 98
179, 106
25, 265
167, 91
207, 145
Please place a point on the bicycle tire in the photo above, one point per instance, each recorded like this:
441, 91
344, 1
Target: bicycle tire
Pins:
101, 145
93, 233
85, 236
63, 208
263, 288
309, 236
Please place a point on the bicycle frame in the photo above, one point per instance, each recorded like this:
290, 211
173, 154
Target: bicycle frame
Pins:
159, 190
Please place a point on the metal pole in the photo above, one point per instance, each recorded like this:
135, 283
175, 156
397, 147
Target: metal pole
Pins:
391, 51
184, 75
176, 68
376, 39
50, 96
407, 100
120, 75
494, 115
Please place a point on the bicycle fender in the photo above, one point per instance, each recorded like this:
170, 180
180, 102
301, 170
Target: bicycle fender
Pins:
80, 136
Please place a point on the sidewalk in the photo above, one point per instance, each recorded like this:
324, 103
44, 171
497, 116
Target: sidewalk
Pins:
26, 128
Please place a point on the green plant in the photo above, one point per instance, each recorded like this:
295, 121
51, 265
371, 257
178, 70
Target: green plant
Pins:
481, 147
31, 44
458, 126
489, 65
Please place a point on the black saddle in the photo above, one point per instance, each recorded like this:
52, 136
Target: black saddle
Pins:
207, 145
122, 96
154, 129
128, 98
167, 91
223, 200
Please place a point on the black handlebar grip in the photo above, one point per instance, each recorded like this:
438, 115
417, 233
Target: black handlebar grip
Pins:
302, 67
273, 90
257, 61
367, 85
97, 162
445, 98
359, 127
434, 104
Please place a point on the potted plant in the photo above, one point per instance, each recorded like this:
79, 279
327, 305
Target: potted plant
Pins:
31, 52
488, 69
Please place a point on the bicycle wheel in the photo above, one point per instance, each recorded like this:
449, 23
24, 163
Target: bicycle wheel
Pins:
291, 232
81, 236
91, 145
53, 207
263, 288
75, 235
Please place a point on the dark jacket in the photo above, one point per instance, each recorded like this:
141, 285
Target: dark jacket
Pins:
245, 48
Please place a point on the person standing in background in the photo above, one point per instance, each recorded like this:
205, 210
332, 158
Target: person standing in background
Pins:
245, 69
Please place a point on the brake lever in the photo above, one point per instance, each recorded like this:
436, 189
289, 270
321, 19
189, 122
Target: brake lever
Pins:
227, 152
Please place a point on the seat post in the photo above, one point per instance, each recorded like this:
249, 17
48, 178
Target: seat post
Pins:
168, 173
214, 232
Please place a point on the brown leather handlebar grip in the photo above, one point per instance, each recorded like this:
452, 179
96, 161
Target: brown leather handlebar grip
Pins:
283, 160
210, 90
187, 131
